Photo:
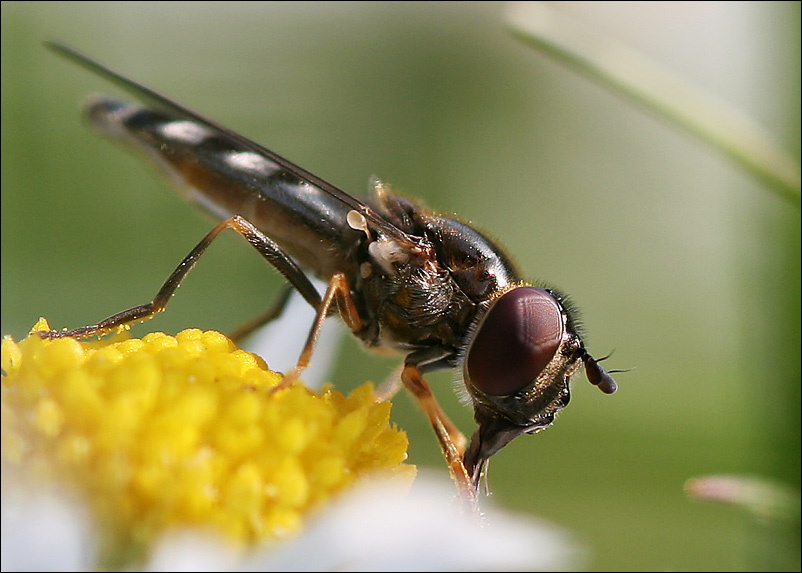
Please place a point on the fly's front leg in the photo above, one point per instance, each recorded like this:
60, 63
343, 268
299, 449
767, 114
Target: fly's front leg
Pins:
266, 247
452, 441
339, 291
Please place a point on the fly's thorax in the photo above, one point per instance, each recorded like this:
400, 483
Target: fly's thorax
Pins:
410, 300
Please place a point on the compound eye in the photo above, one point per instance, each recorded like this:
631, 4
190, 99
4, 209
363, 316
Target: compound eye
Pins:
518, 337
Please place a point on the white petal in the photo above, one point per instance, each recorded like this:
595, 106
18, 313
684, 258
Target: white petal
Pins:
46, 532
189, 550
382, 527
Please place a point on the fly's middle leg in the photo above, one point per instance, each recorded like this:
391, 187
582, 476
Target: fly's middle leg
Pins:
338, 291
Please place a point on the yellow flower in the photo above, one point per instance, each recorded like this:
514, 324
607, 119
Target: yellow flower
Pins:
165, 432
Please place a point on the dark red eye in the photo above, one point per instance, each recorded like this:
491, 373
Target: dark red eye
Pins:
517, 339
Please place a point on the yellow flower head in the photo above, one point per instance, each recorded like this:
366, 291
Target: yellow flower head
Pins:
165, 432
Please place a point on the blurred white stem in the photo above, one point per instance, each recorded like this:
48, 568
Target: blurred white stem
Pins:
615, 66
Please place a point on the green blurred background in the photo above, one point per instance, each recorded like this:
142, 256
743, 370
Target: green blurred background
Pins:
677, 259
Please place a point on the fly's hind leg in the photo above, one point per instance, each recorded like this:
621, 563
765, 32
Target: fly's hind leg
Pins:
266, 247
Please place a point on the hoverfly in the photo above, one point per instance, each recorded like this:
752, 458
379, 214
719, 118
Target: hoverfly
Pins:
400, 276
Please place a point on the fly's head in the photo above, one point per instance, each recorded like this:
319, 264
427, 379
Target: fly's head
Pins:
522, 353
